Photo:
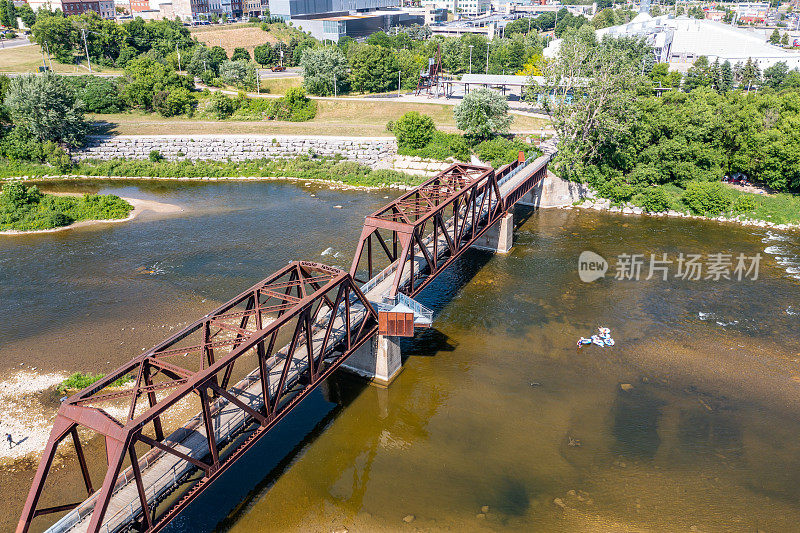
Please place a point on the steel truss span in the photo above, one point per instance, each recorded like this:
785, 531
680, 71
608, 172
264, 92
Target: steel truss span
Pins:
432, 224
246, 364
319, 313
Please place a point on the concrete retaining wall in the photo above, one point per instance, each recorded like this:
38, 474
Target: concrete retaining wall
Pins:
368, 151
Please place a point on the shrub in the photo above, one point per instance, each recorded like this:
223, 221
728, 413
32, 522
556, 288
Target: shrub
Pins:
47, 107
221, 107
441, 147
655, 200
414, 130
155, 156
176, 102
241, 74
482, 114
99, 95
56, 156
79, 381
706, 198
240, 53
501, 151
744, 203
20, 145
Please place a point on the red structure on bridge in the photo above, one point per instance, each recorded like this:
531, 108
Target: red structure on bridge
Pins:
228, 364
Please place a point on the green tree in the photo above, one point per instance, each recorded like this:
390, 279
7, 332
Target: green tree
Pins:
46, 107
264, 54
482, 113
785, 39
699, 75
57, 34
413, 130
241, 74
240, 53
221, 107
589, 92
27, 15
775, 37
321, 66
725, 78
145, 76
750, 74
774, 75
373, 69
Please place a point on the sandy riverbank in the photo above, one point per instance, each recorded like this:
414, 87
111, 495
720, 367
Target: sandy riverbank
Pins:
139, 207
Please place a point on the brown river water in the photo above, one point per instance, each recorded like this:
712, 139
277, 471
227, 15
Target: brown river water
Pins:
497, 422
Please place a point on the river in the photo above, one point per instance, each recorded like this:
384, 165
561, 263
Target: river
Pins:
497, 422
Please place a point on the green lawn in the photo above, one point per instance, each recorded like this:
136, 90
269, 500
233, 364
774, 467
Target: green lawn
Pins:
29, 58
340, 117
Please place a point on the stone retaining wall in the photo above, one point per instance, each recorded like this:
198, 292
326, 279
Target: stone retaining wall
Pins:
368, 151
419, 166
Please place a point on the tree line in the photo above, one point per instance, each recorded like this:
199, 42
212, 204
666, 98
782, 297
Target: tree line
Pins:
624, 141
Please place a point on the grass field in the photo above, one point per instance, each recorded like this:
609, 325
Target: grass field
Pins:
233, 36
280, 85
29, 59
341, 117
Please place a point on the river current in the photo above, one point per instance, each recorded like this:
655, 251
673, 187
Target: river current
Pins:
497, 421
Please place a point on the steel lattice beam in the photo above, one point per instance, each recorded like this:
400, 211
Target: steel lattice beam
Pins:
325, 319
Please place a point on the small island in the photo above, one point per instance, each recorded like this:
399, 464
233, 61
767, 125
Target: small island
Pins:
24, 208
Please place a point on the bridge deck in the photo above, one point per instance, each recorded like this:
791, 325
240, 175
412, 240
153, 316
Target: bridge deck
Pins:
162, 473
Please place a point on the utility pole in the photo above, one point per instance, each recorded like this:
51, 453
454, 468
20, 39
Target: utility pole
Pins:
398, 82
470, 59
44, 61
205, 68
258, 80
487, 58
179, 57
86, 46
50, 59
334, 85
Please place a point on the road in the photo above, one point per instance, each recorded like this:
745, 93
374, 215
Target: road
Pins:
13, 43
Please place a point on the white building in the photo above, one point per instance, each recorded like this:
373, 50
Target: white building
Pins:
680, 41
467, 8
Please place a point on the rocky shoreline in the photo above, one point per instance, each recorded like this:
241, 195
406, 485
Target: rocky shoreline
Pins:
604, 204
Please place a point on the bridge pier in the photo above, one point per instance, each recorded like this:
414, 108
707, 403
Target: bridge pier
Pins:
379, 360
499, 238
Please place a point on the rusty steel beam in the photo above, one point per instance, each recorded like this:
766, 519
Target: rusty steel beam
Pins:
325, 299
457, 206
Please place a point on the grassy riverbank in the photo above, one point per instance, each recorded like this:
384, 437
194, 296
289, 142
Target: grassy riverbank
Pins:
27, 209
334, 170
711, 200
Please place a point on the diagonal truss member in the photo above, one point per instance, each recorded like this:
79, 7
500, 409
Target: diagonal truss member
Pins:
315, 313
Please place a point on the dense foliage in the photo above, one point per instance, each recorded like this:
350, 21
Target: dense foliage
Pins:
305, 167
482, 114
26, 208
45, 107
623, 140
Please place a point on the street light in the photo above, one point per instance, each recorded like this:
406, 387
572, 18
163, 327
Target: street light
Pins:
398, 82
487, 58
470, 59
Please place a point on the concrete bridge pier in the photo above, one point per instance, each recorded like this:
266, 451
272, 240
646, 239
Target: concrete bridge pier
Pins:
499, 238
379, 360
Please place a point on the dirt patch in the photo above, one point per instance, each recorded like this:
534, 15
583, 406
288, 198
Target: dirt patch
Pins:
230, 38
753, 189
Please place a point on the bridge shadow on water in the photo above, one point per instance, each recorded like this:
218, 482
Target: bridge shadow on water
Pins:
250, 478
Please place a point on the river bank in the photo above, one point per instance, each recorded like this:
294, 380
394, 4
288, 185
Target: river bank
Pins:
604, 204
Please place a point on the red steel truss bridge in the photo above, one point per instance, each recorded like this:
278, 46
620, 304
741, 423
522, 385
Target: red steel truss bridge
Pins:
245, 365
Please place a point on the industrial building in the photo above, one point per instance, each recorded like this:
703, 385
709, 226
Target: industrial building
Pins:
679, 41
